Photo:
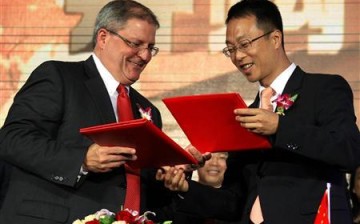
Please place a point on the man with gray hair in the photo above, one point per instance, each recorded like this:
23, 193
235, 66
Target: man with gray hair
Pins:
58, 174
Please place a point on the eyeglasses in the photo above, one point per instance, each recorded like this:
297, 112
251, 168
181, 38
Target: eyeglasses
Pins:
153, 50
242, 46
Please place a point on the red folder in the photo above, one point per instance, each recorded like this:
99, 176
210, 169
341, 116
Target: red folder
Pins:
153, 147
209, 122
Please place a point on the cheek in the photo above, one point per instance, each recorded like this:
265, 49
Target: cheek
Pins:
201, 173
233, 60
113, 54
357, 188
263, 65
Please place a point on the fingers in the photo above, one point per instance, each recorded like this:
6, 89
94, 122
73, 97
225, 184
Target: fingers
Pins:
194, 152
174, 179
104, 159
160, 173
206, 156
201, 158
248, 118
257, 120
185, 167
245, 111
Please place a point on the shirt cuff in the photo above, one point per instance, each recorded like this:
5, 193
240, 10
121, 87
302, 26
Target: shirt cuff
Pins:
83, 172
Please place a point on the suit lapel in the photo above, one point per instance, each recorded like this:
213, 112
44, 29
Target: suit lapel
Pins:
256, 102
292, 86
294, 83
98, 92
134, 103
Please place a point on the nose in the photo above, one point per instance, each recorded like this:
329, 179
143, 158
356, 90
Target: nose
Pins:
145, 54
239, 54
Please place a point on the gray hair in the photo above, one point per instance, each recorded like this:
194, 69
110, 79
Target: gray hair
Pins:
115, 14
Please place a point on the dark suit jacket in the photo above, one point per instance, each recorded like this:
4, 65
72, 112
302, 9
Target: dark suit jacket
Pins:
41, 139
5, 170
317, 141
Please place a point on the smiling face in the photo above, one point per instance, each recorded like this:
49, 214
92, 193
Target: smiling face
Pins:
212, 173
265, 59
126, 63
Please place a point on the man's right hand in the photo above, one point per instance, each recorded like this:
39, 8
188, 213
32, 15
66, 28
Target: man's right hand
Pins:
100, 159
174, 178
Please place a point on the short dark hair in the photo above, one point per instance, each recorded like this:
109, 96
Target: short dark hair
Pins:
267, 14
115, 14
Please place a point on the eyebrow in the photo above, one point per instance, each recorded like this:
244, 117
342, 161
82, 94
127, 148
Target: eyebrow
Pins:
141, 42
238, 39
134, 40
228, 42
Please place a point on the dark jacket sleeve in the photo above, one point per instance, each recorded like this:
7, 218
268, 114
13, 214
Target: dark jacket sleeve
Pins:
31, 137
225, 203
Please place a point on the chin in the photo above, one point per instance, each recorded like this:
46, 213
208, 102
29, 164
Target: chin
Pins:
133, 78
251, 80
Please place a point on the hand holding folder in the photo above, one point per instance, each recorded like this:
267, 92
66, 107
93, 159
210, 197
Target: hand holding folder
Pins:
209, 122
153, 147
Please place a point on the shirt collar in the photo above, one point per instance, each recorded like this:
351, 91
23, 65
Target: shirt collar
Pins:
280, 81
110, 82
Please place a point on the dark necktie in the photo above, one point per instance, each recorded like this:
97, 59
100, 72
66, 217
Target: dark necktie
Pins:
124, 111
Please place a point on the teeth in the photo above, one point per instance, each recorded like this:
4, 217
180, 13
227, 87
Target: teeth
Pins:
246, 66
140, 64
213, 171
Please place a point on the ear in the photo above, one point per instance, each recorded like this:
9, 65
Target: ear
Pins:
101, 38
276, 38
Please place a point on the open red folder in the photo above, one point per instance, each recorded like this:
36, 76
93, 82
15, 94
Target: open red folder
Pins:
153, 147
209, 122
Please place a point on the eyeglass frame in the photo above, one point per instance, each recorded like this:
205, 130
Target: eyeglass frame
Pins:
227, 51
153, 50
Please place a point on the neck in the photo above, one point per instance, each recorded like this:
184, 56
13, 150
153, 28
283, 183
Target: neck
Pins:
282, 66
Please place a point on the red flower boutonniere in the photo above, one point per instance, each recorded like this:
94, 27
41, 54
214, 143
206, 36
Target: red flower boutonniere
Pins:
145, 113
284, 102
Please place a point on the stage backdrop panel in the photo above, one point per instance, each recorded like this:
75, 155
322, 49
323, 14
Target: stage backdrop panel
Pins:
320, 36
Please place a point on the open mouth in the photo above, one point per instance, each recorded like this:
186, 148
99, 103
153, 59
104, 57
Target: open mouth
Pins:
246, 66
213, 171
139, 64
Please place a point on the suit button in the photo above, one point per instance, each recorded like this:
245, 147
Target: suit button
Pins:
57, 178
292, 146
